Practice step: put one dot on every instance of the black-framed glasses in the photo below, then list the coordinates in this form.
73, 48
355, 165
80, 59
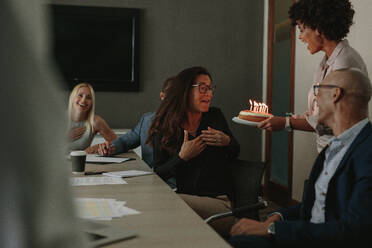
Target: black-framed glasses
203, 88
330, 86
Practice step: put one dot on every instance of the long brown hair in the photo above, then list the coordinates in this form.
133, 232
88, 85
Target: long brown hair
172, 110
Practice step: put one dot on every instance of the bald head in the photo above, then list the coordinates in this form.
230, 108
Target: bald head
356, 86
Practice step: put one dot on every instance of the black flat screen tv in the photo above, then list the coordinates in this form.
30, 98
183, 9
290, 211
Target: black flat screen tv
98, 45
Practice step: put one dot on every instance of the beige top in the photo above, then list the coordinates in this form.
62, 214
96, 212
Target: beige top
344, 56
85, 140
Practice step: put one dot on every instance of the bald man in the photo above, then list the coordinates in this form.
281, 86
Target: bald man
336, 209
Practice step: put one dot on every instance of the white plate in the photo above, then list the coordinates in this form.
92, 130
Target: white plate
244, 122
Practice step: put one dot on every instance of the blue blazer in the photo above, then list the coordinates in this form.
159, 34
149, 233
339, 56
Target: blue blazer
348, 204
137, 137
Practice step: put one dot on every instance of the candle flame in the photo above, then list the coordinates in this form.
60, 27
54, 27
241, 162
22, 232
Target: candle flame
259, 107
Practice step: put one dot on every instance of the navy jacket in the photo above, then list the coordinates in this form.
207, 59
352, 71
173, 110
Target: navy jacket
348, 206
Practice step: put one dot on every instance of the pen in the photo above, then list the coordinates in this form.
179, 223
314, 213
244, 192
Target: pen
89, 173
107, 149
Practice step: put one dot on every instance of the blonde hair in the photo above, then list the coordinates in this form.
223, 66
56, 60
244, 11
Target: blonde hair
90, 120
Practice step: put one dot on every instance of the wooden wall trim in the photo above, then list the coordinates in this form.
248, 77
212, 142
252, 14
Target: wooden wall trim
283, 191
270, 52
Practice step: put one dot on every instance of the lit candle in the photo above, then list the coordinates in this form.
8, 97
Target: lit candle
250, 105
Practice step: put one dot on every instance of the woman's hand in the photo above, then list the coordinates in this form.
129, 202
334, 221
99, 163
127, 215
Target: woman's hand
213, 137
76, 133
192, 148
274, 123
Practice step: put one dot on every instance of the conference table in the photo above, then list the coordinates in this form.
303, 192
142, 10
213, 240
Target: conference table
165, 220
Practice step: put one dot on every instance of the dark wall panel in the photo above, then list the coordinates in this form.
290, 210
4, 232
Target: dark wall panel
224, 36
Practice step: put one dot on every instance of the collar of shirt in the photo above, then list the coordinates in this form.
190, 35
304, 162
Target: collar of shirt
348, 136
326, 62
340, 144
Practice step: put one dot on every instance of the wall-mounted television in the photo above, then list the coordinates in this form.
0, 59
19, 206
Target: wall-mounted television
98, 45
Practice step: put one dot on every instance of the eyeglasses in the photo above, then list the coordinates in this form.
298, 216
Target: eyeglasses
203, 88
317, 86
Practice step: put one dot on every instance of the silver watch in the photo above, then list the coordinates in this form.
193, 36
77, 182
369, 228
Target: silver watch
287, 126
271, 229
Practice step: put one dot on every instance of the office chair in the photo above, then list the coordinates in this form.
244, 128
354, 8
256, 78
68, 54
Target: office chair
246, 178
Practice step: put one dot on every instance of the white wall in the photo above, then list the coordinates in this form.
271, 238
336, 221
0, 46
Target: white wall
304, 152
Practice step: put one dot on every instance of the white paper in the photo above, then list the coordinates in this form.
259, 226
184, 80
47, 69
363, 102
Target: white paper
86, 181
101, 209
127, 173
92, 158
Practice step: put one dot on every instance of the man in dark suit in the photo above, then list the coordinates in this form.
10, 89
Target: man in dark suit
336, 208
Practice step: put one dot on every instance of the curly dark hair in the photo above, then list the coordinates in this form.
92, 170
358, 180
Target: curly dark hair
332, 18
172, 110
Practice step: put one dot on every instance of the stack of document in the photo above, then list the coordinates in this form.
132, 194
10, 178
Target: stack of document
127, 173
101, 208
87, 181
92, 158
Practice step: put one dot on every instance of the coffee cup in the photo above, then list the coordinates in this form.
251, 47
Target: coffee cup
78, 161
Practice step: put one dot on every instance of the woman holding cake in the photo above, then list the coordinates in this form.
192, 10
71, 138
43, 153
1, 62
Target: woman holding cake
192, 142
323, 25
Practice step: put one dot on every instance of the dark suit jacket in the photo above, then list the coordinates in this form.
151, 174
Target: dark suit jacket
348, 211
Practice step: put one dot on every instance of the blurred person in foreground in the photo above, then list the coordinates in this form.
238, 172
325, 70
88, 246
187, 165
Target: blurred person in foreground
36, 205
335, 210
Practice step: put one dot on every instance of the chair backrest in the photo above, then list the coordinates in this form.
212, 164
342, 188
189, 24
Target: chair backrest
246, 184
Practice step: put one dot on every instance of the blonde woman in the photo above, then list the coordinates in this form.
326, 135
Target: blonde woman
83, 122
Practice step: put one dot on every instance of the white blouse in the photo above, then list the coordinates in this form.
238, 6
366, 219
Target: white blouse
343, 56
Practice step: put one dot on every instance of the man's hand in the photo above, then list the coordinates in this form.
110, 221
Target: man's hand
106, 149
250, 227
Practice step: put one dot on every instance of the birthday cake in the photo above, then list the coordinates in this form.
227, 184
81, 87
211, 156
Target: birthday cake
254, 116
257, 112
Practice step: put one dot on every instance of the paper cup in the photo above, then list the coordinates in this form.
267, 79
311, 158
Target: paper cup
78, 162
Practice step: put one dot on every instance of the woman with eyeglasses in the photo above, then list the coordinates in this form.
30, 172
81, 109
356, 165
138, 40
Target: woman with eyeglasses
323, 25
192, 142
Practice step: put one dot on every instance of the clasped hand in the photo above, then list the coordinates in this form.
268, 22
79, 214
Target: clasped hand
210, 137
76, 133
106, 149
